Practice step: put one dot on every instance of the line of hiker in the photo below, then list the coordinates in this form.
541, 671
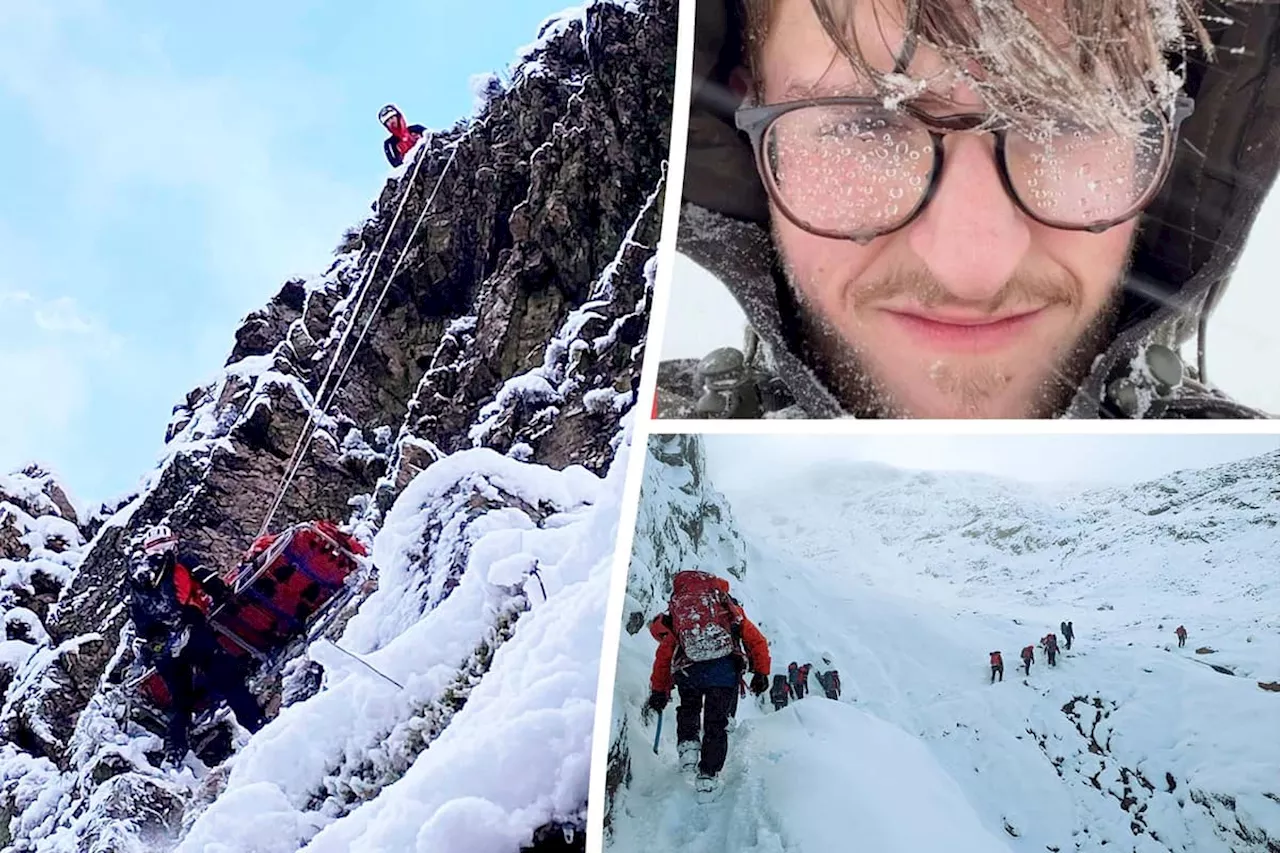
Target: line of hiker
795, 684
706, 645
1048, 644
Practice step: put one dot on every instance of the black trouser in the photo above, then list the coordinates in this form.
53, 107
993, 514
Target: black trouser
222, 677
997, 670
1182, 641
1053, 656
707, 709
1068, 641
1026, 663
779, 704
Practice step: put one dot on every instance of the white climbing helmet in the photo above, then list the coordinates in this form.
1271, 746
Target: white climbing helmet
159, 540
826, 658
387, 112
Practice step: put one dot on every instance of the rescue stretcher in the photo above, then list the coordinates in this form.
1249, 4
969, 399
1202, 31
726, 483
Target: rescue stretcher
286, 592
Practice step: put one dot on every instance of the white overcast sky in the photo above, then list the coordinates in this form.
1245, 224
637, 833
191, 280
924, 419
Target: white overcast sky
738, 461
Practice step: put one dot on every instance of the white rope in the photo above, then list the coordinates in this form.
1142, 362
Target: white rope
295, 458
394, 269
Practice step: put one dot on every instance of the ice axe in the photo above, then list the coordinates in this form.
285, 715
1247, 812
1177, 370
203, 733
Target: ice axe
657, 734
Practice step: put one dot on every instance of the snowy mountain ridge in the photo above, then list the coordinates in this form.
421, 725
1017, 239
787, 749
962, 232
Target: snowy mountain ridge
1225, 517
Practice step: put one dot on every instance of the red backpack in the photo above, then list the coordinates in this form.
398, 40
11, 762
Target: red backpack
703, 616
996, 660
1028, 653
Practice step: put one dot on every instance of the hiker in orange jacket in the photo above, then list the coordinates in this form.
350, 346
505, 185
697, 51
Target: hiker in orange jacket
705, 644
1182, 636
1028, 658
997, 666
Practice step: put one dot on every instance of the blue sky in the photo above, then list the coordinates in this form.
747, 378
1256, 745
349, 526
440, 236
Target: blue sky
165, 167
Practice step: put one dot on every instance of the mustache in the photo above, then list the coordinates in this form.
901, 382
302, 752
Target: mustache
921, 287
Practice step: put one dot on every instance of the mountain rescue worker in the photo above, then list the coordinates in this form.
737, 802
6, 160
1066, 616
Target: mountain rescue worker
1068, 633
780, 693
1051, 648
829, 680
705, 643
793, 678
997, 667
804, 679
1077, 171
1028, 658
1182, 636
169, 605
403, 137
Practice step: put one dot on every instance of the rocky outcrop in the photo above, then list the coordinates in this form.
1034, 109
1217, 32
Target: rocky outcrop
497, 297
683, 523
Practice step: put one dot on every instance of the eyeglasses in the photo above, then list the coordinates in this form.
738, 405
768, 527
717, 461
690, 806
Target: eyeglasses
850, 168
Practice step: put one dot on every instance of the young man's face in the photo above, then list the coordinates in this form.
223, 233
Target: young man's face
973, 309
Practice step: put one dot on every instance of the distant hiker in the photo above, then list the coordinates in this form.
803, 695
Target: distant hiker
1051, 648
829, 680
1068, 633
804, 679
830, 683
997, 667
705, 643
793, 678
780, 693
1028, 658
403, 137
169, 605
1182, 636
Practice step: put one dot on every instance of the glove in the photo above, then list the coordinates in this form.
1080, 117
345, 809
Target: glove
213, 585
180, 642
658, 700
759, 683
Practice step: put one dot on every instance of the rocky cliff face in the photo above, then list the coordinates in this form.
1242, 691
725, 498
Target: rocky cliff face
683, 523
499, 294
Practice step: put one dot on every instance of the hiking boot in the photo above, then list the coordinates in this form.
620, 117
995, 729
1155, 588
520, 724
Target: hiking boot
706, 783
690, 752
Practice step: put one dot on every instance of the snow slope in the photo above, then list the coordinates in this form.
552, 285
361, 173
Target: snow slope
1129, 744
533, 709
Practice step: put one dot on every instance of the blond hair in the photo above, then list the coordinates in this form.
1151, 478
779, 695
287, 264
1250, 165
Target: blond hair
1100, 61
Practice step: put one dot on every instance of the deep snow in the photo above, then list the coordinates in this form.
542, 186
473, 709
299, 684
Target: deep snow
908, 581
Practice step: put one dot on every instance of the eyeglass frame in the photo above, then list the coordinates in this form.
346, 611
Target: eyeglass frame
755, 121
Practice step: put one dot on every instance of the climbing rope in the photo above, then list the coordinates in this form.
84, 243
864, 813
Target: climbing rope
320, 401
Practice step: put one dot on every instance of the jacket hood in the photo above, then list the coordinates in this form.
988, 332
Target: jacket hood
1188, 242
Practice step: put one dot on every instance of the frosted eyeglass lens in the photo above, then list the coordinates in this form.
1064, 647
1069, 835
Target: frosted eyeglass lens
846, 170
1079, 177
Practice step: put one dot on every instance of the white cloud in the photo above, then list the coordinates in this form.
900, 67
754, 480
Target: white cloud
62, 315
